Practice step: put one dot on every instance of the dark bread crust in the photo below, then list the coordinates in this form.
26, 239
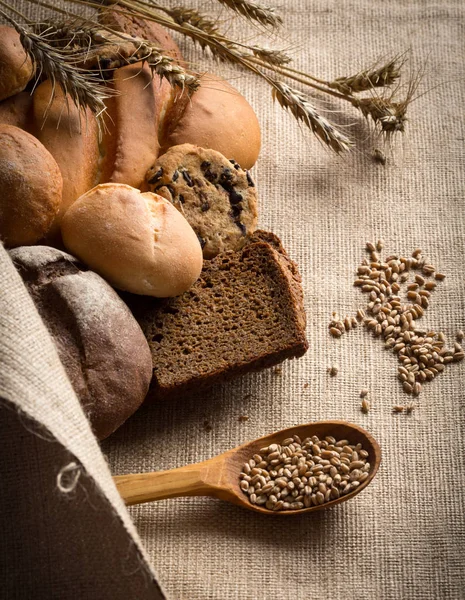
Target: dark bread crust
98, 341
244, 314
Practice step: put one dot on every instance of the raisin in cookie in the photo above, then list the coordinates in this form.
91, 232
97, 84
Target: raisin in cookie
216, 196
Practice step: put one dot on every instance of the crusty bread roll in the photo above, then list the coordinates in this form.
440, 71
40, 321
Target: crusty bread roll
218, 117
30, 188
16, 67
100, 344
71, 136
137, 241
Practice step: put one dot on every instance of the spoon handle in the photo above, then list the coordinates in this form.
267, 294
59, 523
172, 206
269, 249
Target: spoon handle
138, 488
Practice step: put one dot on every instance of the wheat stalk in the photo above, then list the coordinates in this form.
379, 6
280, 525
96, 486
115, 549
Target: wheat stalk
389, 115
275, 58
182, 15
94, 48
304, 111
368, 79
385, 111
254, 12
85, 89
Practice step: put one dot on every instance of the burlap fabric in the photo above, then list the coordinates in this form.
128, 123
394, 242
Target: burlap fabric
404, 536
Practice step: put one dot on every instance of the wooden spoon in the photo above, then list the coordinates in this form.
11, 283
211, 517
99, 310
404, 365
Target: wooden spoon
219, 476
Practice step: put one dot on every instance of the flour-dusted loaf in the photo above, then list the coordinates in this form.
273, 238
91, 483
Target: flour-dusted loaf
245, 313
30, 188
101, 346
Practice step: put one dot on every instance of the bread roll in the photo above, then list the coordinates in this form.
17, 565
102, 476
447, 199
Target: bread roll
71, 136
100, 344
30, 188
218, 117
138, 241
16, 67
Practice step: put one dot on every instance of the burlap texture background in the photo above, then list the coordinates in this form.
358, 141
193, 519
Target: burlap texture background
404, 536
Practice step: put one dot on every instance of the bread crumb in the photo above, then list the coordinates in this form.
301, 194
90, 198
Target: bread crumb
243, 418
207, 427
306, 385
277, 371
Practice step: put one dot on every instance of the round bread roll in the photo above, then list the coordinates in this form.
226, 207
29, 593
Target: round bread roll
16, 67
218, 117
30, 188
99, 342
137, 241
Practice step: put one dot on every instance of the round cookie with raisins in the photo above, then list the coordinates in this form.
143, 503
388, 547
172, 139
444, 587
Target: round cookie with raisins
217, 197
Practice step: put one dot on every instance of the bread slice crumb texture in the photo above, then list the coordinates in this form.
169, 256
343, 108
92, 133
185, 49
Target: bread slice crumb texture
245, 313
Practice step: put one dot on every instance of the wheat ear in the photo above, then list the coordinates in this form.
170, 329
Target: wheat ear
304, 111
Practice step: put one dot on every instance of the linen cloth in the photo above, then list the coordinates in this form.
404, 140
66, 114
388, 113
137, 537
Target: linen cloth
54, 482
404, 536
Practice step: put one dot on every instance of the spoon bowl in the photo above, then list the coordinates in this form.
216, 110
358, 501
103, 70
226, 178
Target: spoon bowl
220, 476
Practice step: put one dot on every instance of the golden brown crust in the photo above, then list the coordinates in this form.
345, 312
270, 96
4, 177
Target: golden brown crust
132, 139
147, 30
137, 241
132, 136
71, 136
217, 117
30, 188
15, 66
17, 111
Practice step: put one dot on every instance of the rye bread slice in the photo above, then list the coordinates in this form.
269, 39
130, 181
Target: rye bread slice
244, 314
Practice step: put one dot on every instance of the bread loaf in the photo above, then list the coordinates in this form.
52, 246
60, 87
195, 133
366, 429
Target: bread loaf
101, 346
244, 313
131, 138
138, 241
216, 117
17, 111
16, 67
30, 188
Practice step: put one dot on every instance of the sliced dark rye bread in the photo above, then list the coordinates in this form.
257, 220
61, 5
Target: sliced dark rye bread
245, 313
